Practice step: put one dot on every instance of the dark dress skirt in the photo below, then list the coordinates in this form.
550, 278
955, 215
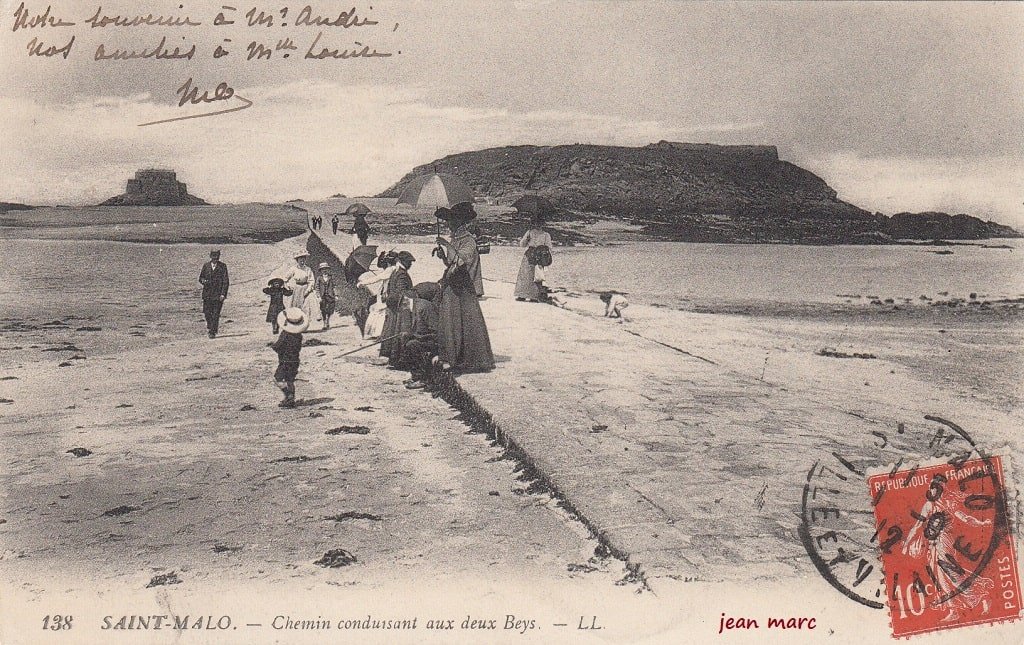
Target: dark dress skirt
463, 341
276, 307
403, 329
276, 302
398, 284
390, 329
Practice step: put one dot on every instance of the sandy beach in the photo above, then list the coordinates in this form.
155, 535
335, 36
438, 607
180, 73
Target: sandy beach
143, 459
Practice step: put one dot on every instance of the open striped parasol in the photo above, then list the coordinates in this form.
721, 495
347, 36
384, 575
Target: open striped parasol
436, 190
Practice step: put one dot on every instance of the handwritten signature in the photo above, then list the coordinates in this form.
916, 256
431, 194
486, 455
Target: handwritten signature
189, 95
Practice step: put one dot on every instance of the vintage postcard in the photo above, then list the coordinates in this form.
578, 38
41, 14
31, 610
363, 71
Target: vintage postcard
510, 322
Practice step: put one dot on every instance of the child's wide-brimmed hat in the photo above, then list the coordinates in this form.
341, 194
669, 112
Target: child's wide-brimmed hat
324, 265
301, 254
275, 282
293, 320
406, 256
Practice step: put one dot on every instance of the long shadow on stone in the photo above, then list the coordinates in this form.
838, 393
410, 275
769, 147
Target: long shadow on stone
304, 402
353, 515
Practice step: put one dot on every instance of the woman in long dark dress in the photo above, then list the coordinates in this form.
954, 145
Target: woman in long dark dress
463, 341
398, 284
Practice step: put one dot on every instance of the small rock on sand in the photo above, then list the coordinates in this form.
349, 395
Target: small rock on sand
6, 400
336, 558
164, 579
81, 452
124, 405
348, 430
89, 329
8, 378
223, 548
120, 510
247, 408
365, 408
65, 364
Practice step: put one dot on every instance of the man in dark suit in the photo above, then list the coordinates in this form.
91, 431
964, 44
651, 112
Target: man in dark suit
214, 278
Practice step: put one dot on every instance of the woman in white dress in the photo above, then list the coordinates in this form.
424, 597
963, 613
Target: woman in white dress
531, 276
302, 281
376, 282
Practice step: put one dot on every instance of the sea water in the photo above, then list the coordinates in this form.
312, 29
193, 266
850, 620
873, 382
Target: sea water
44, 276
675, 273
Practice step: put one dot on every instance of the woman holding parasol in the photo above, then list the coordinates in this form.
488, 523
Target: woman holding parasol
464, 343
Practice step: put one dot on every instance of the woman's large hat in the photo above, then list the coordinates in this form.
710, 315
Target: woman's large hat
301, 254
461, 212
293, 320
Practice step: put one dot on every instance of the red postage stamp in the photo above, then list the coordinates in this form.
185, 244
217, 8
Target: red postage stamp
946, 546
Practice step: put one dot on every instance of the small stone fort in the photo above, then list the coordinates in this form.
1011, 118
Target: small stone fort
155, 187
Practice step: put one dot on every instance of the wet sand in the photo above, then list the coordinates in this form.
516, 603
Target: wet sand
191, 480
135, 463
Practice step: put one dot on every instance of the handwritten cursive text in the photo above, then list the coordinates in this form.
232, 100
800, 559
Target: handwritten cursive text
100, 19
362, 51
22, 19
190, 94
160, 52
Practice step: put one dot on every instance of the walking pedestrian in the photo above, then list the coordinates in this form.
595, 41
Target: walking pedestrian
325, 290
277, 291
302, 281
293, 322
214, 278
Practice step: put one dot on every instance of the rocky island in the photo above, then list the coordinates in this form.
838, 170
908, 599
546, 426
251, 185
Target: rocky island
693, 192
155, 187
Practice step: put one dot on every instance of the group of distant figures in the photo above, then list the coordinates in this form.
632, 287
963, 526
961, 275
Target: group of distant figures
419, 327
316, 222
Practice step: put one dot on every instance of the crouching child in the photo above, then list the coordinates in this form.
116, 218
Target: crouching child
613, 305
419, 344
293, 322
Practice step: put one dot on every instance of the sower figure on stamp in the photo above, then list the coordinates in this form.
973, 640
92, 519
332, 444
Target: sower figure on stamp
939, 550
214, 278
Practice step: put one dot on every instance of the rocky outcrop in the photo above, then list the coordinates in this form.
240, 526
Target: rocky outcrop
943, 226
152, 187
14, 206
682, 191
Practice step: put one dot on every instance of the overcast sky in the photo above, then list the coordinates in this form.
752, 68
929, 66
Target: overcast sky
898, 107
